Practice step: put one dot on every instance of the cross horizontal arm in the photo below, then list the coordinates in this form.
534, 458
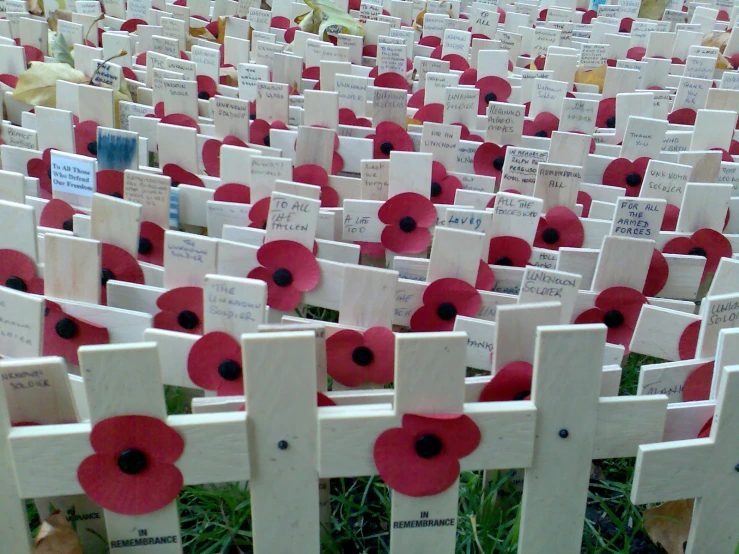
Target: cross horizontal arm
625, 422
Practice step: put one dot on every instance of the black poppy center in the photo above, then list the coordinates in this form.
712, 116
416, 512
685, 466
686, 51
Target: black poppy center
362, 356
145, 246
203, 95
66, 328
48, 173
68, 224
505, 260
491, 97
116, 195
541, 133
229, 370
266, 140
282, 277
252, 116
522, 395
428, 446
16, 283
613, 319
633, 179
435, 189
446, 311
92, 148
498, 163
611, 122
386, 148
187, 319
550, 236
175, 184
132, 461
105, 276
407, 224
697, 251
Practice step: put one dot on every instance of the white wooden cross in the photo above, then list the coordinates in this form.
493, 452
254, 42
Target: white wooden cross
704, 469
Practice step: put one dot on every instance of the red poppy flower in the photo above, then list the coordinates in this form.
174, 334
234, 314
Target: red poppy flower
585, 200
485, 279
509, 251
119, 265
312, 174
626, 174
212, 153
418, 98
725, 154
57, 214
456, 62
512, 382
430, 41
233, 192
636, 53
259, 131
421, 458
688, 343
541, 126
110, 182
131, 25
259, 213
407, 217
214, 363
33, 54
697, 386
132, 471
705, 431
559, 228
348, 117
40, 168
734, 60
618, 308
371, 249
708, 243
626, 24
289, 269
538, 63
290, 34
391, 80
606, 117
85, 138
180, 120
10, 80
207, 87
492, 89
64, 334
431, 113
354, 358
443, 300
443, 185
489, 159
669, 222
588, 16
17, 271
657, 274
151, 243
683, 116
182, 310
390, 136
181, 177
280, 22
466, 134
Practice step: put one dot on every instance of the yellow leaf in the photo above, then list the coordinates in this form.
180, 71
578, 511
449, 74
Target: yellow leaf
222, 29
669, 524
723, 63
717, 39
56, 536
596, 76
37, 85
202, 32
652, 9
36, 7
327, 18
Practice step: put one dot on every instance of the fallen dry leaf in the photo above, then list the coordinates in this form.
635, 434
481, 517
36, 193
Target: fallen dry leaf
669, 524
716, 39
652, 9
595, 76
37, 85
56, 536
202, 32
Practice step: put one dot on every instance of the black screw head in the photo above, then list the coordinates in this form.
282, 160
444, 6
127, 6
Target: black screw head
66, 328
564, 433
386, 148
105, 276
16, 283
498, 163
428, 446
266, 140
282, 445
736, 468
132, 461
407, 224
550, 236
633, 179
490, 97
540, 133
68, 224
504, 261
229, 370
613, 319
282, 277
446, 311
435, 189
187, 319
203, 95
92, 148
362, 356
697, 251
611, 122
145, 246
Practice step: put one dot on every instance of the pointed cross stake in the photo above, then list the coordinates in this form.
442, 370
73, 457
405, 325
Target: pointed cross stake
704, 469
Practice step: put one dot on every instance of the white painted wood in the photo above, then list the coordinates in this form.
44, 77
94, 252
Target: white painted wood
515, 331
72, 268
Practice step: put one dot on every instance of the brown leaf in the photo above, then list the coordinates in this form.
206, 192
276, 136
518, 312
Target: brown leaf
669, 524
716, 39
36, 7
56, 536
231, 75
595, 76
202, 32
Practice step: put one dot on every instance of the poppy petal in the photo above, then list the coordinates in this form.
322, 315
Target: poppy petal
657, 275
205, 356
151, 243
698, 384
339, 363
688, 343
233, 192
296, 258
512, 382
400, 242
